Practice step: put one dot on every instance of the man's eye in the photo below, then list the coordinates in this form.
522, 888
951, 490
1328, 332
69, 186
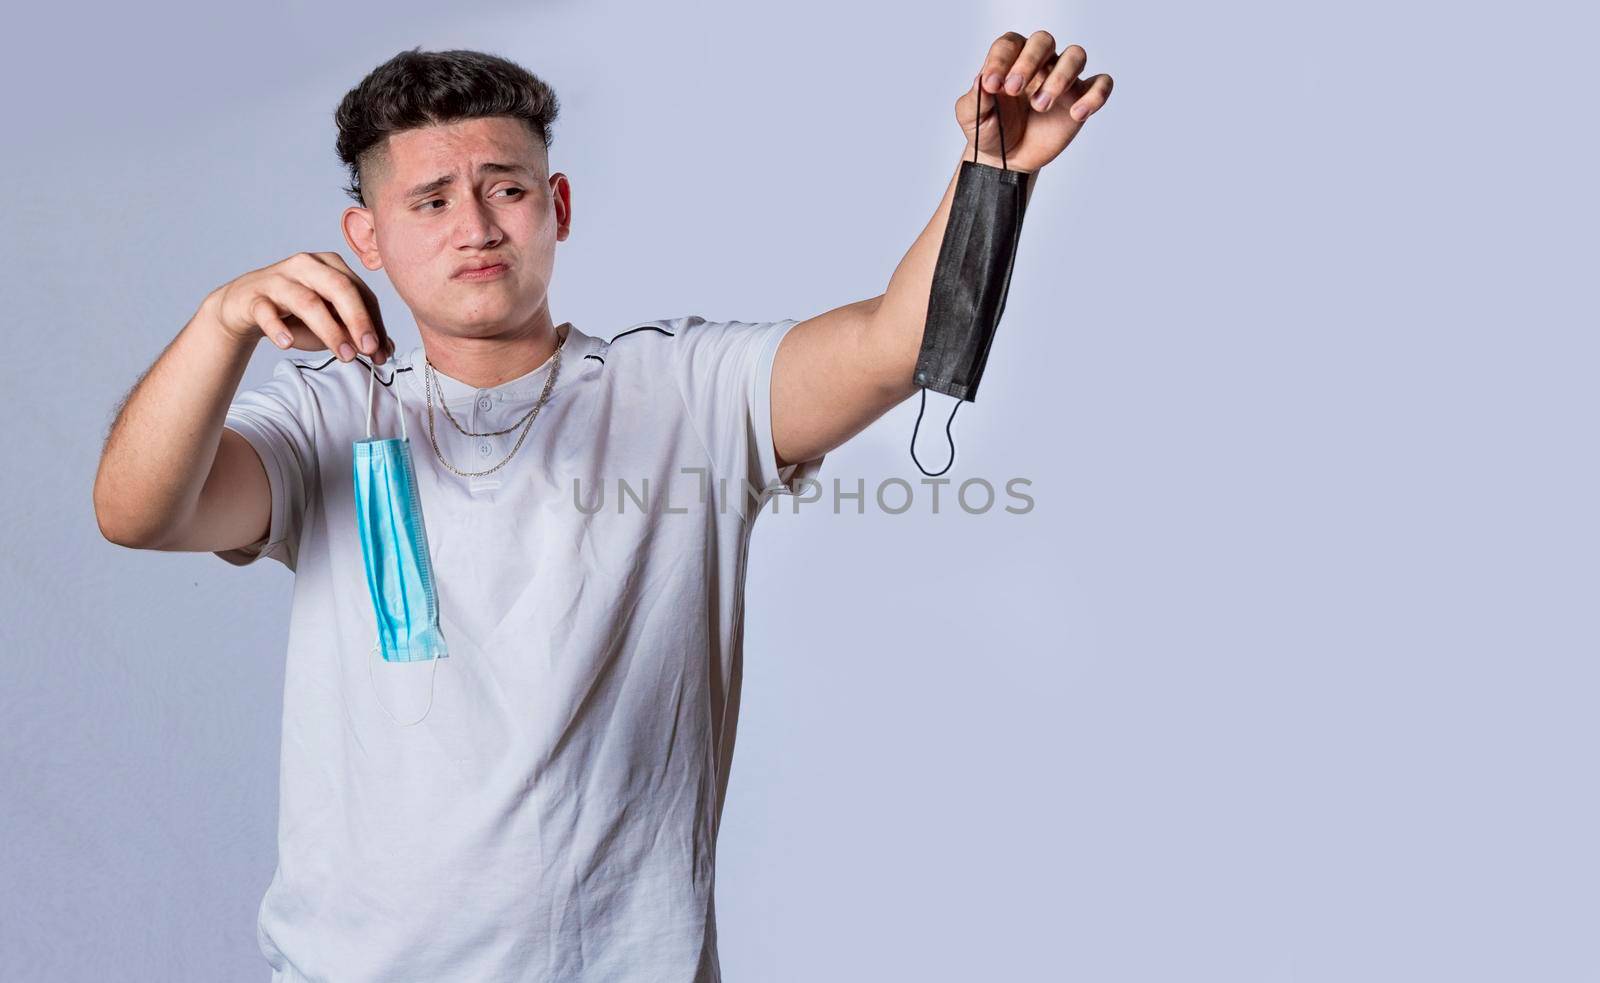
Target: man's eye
439, 201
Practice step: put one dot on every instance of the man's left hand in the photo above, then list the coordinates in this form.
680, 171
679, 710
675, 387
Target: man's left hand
1041, 100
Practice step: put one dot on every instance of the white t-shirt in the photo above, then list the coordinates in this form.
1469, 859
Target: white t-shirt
554, 815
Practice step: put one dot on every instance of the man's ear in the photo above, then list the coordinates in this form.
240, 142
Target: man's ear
561, 191
362, 235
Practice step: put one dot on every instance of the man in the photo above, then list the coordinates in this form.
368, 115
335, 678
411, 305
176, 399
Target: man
556, 817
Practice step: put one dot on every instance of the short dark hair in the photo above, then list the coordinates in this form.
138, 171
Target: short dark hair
419, 88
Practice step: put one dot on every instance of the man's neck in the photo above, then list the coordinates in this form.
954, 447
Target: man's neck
484, 363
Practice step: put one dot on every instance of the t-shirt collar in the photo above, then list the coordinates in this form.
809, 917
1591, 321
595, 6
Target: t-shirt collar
529, 384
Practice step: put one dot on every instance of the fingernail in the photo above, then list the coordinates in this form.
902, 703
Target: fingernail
992, 80
1014, 84
1041, 101
1079, 112
345, 351
369, 343
284, 341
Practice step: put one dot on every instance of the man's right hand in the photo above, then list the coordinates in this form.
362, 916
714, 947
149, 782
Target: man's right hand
310, 301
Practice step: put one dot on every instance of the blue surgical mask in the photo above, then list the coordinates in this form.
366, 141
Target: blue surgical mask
394, 547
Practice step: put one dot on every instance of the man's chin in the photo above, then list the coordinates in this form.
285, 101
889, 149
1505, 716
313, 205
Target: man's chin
484, 319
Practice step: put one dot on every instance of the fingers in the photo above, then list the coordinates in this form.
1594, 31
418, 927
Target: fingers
289, 302
294, 296
1098, 90
1014, 59
337, 286
265, 316
1039, 52
972, 108
1017, 64
1061, 77
358, 302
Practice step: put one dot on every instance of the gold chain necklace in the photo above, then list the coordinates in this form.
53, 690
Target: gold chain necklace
555, 367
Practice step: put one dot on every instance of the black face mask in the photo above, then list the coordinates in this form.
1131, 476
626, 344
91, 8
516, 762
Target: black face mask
970, 282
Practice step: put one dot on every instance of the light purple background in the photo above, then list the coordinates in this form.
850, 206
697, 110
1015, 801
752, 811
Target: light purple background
1288, 676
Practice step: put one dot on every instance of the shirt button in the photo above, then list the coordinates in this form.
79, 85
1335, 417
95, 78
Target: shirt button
484, 450
484, 402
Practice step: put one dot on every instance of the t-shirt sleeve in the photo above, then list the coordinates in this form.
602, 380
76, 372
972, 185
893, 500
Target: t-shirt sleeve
724, 369
275, 418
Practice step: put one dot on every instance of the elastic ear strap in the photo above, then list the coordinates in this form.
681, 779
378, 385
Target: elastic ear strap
394, 379
978, 125
1001, 123
432, 675
394, 387
952, 440
372, 379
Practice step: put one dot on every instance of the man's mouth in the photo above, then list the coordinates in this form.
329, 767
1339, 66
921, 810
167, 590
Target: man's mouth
489, 272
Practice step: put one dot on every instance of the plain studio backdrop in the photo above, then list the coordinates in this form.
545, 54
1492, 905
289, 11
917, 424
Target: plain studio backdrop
1288, 673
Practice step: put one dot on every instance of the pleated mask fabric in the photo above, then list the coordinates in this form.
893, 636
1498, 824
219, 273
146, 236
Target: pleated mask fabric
394, 547
970, 282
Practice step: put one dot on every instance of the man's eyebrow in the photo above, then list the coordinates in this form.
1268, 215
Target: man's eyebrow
486, 168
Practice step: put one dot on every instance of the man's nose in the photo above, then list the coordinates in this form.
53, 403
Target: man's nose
478, 227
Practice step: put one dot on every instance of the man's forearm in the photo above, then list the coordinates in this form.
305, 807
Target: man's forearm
902, 312
164, 440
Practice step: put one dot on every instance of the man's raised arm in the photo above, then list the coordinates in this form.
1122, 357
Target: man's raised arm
835, 373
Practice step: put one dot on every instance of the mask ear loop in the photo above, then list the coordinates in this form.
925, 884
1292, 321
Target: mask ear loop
433, 674
952, 419
952, 441
394, 377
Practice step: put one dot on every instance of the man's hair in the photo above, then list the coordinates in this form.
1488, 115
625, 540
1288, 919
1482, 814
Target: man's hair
423, 88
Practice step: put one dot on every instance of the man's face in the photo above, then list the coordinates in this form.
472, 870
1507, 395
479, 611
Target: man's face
422, 230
